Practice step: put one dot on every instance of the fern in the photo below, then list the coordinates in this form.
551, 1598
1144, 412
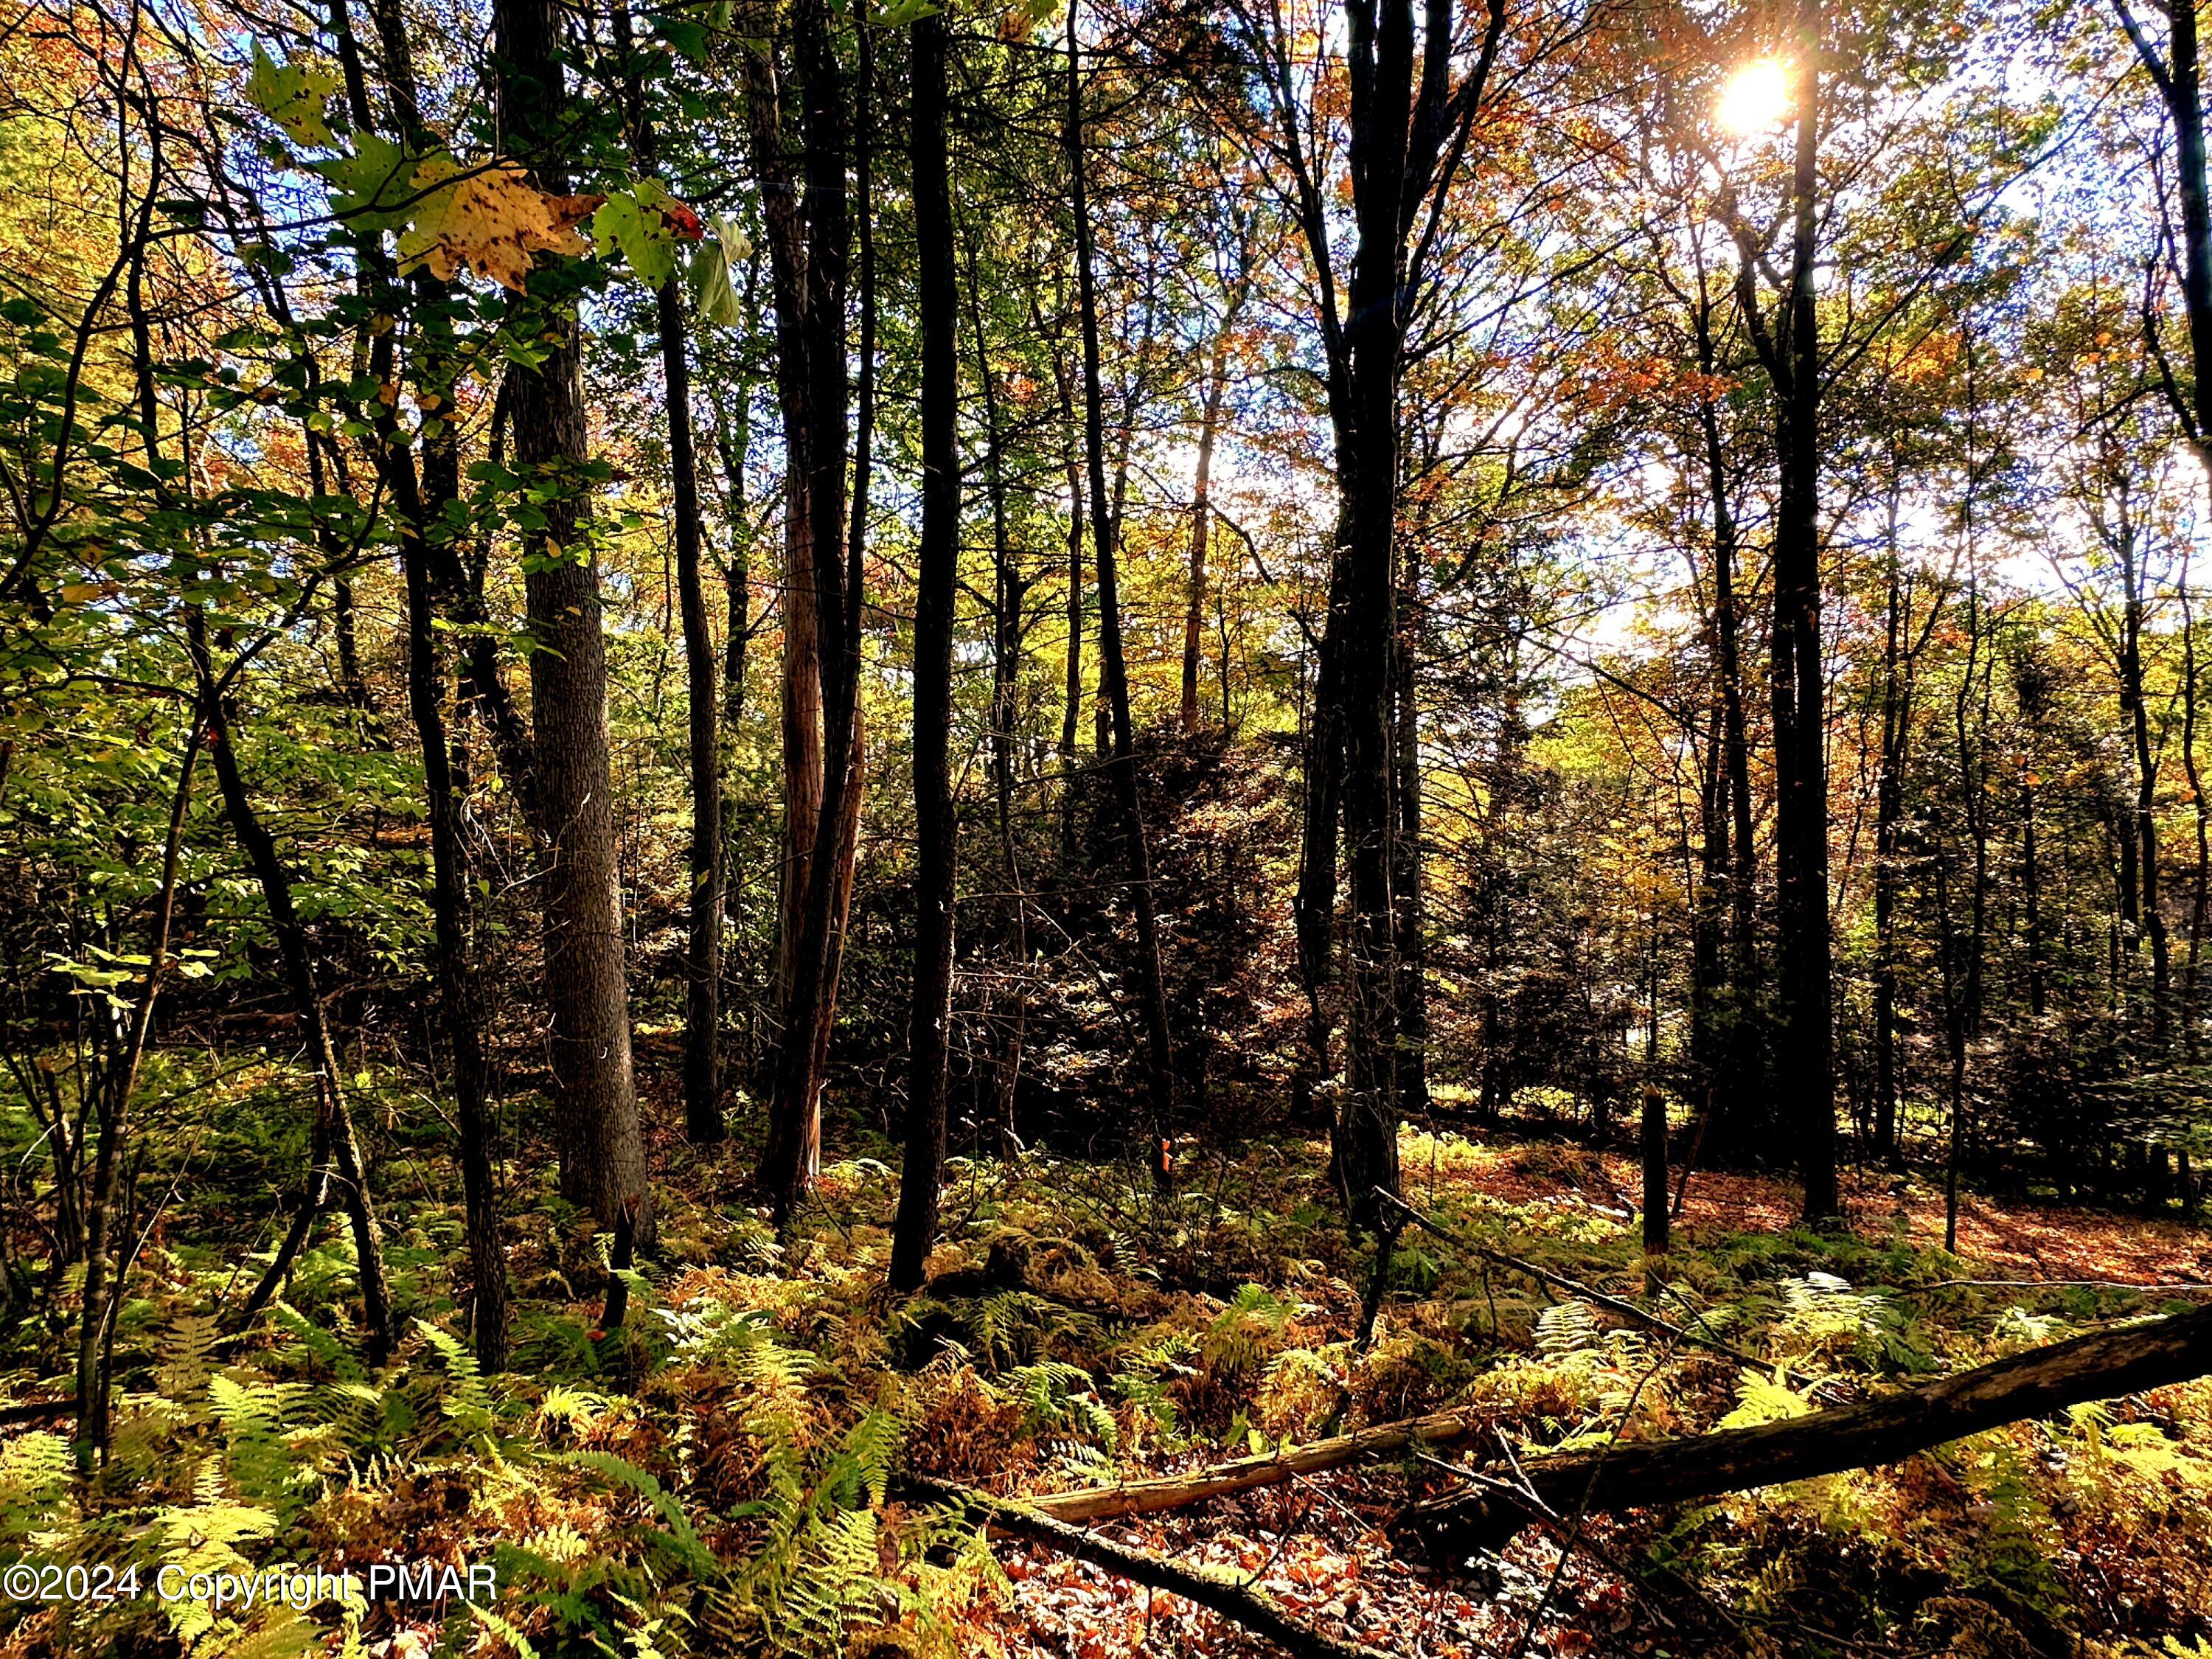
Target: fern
1569, 1327
465, 1400
1059, 1398
681, 1539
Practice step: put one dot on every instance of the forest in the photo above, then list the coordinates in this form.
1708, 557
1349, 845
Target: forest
1095, 828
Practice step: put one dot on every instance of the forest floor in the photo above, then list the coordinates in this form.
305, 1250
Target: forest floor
731, 1472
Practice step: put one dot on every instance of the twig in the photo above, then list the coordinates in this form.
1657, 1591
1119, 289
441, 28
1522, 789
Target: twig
1614, 1304
1254, 1612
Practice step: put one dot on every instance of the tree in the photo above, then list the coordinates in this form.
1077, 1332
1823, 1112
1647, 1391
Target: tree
586, 979
936, 575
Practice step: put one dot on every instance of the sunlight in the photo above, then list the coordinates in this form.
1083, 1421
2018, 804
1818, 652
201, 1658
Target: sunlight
1756, 97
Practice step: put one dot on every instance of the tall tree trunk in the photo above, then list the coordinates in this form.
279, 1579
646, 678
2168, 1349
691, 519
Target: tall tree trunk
937, 572
1734, 1127
801, 670
2201, 889
792, 1157
455, 967
1009, 588
1201, 519
1071, 707
1888, 852
1112, 669
334, 1119
1366, 1143
586, 979
1805, 1057
703, 955
2135, 707
1407, 893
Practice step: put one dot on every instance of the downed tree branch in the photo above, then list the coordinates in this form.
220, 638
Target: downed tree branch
1173, 1492
1232, 1602
2101, 1365
35, 1410
1574, 1287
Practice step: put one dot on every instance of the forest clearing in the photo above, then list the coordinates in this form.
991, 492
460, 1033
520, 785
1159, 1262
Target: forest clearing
1014, 827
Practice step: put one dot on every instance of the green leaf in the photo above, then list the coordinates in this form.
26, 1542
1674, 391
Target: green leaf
292, 96
629, 221
375, 185
713, 297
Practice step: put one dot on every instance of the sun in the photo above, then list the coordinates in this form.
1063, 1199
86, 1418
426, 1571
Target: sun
1757, 96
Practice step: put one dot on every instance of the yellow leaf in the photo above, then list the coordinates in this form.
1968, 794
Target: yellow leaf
492, 220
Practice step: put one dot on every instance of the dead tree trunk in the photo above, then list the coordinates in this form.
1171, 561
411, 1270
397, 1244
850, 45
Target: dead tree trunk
2101, 1365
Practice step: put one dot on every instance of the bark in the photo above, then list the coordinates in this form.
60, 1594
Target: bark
586, 977
2135, 708
703, 955
1805, 1053
2101, 1365
455, 970
1009, 588
333, 1118
1201, 513
1806, 1058
937, 562
1733, 1107
1365, 1139
1654, 1138
2200, 887
1113, 668
800, 675
1888, 849
792, 1157
1072, 708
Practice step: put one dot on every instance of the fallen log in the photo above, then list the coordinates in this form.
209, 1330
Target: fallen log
2101, 1365
1232, 1602
1173, 1492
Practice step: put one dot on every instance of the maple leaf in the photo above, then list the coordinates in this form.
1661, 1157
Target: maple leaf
492, 220
293, 95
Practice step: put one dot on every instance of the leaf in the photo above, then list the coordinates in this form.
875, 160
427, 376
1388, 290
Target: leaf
715, 300
626, 224
375, 184
292, 96
492, 220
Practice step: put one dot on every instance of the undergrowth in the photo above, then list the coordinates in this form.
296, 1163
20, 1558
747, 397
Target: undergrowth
727, 1475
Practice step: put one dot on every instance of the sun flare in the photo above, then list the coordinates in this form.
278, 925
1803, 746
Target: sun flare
1756, 97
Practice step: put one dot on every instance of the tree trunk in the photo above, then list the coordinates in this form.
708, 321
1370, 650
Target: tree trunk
1113, 670
1806, 1060
455, 970
1365, 1138
1888, 853
586, 977
937, 562
1010, 1008
1201, 517
334, 1119
703, 955
1735, 1106
800, 676
809, 244
2101, 1365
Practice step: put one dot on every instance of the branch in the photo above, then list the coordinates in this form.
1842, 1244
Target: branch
2101, 1365
1232, 1602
